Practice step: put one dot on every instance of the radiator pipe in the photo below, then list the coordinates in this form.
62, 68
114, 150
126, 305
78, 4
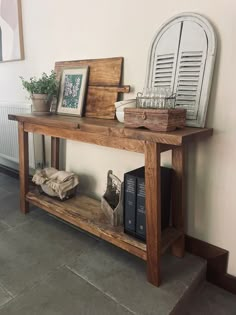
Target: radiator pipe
44, 151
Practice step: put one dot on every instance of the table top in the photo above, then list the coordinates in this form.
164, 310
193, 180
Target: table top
113, 128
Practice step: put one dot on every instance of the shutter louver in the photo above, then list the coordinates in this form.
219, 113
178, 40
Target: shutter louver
189, 80
163, 75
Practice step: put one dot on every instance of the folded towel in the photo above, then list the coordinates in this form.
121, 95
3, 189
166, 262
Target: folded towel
62, 176
41, 176
54, 182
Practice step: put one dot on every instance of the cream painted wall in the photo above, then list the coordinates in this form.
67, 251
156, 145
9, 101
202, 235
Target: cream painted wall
76, 29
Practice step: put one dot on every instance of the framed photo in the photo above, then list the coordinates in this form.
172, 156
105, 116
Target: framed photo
11, 35
72, 91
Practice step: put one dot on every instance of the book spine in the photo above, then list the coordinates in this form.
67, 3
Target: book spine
141, 211
130, 202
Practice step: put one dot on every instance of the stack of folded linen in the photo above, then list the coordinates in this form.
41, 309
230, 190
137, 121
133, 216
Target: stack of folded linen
56, 183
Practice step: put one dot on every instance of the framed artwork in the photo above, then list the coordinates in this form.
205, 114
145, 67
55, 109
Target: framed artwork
72, 91
11, 36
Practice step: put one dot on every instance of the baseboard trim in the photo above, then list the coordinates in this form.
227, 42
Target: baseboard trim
217, 262
9, 171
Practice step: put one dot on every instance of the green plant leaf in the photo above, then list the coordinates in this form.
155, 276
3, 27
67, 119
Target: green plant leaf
46, 84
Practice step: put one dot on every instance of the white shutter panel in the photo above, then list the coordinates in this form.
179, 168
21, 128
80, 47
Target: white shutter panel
182, 57
190, 68
164, 55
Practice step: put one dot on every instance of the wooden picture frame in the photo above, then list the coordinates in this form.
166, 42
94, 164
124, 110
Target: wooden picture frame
72, 92
11, 33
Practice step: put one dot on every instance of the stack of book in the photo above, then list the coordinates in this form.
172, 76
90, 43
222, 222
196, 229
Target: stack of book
134, 201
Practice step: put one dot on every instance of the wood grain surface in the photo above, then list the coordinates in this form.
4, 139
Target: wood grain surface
88, 137
55, 149
23, 166
155, 119
86, 213
178, 198
104, 71
153, 210
112, 128
103, 84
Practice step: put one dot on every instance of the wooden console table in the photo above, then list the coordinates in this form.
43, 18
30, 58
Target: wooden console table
85, 212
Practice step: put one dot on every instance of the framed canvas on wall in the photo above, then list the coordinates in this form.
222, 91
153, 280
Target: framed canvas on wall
11, 35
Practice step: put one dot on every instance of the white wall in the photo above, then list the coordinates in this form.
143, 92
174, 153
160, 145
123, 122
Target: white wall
75, 29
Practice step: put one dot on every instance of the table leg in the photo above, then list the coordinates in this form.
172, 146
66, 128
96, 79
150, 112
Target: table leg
55, 146
153, 211
23, 166
178, 198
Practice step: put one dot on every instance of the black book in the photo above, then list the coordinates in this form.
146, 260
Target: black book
140, 208
134, 201
165, 202
130, 200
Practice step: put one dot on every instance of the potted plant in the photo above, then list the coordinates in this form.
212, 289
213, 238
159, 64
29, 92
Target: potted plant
42, 90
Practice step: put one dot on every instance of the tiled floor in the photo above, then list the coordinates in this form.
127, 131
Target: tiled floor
211, 300
47, 267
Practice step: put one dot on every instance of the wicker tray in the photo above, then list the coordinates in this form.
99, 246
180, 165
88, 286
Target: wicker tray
69, 194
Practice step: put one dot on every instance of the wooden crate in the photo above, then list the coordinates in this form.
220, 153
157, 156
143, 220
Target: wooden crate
155, 119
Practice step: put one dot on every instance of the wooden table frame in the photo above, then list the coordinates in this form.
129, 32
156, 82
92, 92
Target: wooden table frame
113, 134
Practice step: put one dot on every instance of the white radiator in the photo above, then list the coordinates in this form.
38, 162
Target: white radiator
9, 133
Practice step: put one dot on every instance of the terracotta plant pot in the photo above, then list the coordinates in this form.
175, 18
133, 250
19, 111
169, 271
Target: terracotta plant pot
41, 104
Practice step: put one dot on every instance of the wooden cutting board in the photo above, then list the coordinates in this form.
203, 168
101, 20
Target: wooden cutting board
103, 84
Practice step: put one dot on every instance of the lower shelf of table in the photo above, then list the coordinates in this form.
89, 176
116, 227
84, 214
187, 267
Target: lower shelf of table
85, 213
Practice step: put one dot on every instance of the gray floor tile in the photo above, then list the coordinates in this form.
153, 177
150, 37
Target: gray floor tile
9, 184
211, 300
4, 296
4, 177
3, 192
61, 294
123, 276
3, 226
48, 229
10, 210
32, 250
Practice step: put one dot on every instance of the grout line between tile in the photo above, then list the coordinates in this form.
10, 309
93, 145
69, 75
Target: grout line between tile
11, 228
6, 224
11, 296
99, 289
7, 291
